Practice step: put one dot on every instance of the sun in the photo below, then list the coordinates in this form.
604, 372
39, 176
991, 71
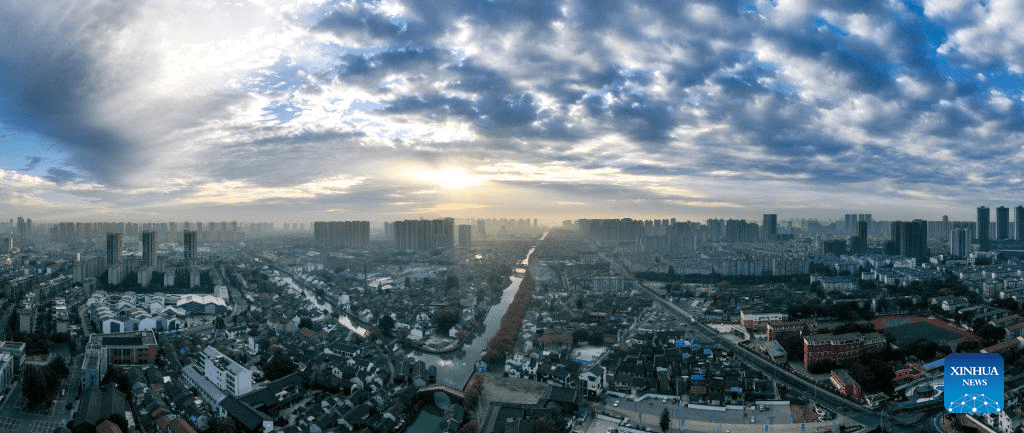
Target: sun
451, 178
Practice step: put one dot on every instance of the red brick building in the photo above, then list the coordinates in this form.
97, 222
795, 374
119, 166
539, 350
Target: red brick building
845, 385
797, 327
828, 347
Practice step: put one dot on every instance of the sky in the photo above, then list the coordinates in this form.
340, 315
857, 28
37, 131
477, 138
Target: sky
384, 110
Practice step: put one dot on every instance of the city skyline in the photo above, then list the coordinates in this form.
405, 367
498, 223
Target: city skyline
385, 111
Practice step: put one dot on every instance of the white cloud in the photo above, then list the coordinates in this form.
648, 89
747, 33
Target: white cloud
241, 103
241, 191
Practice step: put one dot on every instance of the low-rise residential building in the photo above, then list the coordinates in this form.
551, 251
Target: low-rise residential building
834, 284
759, 321
594, 379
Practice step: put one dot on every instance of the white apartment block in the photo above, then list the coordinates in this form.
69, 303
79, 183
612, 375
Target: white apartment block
233, 378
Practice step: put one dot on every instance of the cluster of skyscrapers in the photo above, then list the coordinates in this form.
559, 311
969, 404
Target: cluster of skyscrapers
408, 235
424, 235
117, 268
1002, 226
342, 234
667, 235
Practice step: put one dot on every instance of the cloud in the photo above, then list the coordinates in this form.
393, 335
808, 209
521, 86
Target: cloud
681, 106
238, 191
33, 161
60, 175
449, 207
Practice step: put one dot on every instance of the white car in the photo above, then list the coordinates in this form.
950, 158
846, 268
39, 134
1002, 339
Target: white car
615, 403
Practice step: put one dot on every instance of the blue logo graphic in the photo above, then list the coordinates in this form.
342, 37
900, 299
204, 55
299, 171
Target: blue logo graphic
973, 383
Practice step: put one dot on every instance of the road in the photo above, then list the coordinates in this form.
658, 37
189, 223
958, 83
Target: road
852, 410
859, 413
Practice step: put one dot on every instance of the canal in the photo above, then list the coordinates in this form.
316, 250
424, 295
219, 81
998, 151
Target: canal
454, 368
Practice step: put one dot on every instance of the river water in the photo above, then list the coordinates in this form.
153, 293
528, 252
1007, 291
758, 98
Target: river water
454, 369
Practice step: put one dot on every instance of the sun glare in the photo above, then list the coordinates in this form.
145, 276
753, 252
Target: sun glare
451, 178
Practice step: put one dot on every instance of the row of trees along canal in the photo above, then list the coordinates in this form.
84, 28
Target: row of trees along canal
503, 341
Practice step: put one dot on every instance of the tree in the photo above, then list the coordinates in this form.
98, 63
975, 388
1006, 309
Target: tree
34, 386
923, 349
473, 390
386, 324
446, 318
663, 422
794, 346
221, 425
452, 282
990, 334
56, 370
279, 366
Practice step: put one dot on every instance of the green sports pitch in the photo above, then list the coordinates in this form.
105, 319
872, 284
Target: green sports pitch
911, 332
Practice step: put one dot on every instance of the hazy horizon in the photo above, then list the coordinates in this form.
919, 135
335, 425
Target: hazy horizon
387, 110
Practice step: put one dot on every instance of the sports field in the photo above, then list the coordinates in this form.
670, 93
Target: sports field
909, 329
